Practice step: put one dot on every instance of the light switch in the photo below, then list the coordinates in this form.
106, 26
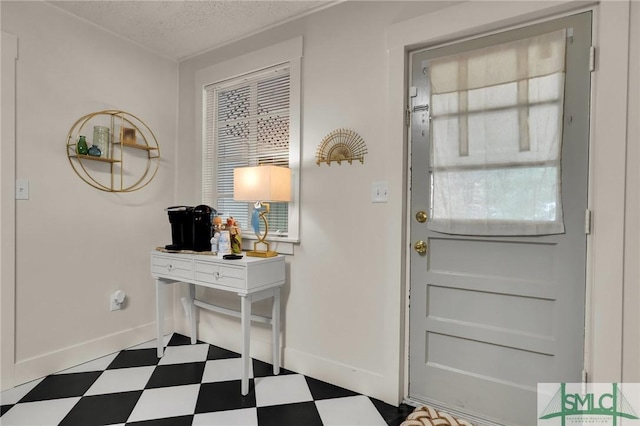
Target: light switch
22, 189
379, 192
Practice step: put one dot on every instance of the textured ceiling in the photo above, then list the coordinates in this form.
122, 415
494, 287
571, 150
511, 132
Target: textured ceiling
179, 29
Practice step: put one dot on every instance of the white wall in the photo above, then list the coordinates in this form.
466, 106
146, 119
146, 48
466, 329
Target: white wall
76, 245
343, 306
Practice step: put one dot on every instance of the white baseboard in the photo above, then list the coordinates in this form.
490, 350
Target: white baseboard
362, 381
52, 362
227, 335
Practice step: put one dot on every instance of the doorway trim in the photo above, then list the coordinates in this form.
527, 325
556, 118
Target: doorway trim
605, 244
8, 208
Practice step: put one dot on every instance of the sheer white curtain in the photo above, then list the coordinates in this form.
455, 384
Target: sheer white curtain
496, 138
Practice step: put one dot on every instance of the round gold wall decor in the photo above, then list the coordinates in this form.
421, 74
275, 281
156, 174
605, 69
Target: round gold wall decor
341, 145
127, 162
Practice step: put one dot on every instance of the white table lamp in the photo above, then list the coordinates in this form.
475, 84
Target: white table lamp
262, 184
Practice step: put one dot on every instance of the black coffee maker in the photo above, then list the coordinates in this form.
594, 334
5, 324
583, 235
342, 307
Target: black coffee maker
191, 227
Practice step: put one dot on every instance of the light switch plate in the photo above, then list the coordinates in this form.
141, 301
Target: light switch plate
379, 192
22, 189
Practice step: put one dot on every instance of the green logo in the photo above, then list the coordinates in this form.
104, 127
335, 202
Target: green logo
598, 403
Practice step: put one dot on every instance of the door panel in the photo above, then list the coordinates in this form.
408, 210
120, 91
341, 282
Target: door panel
490, 317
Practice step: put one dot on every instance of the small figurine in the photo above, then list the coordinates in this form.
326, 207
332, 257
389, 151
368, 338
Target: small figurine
217, 222
235, 235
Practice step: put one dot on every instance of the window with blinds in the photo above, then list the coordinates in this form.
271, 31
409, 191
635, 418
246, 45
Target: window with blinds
246, 124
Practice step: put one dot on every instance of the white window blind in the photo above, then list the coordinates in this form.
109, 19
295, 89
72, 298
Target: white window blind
496, 138
247, 123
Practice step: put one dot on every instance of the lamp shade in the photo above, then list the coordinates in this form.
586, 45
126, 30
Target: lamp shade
262, 183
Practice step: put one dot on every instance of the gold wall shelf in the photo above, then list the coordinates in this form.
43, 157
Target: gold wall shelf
119, 168
92, 158
341, 145
138, 146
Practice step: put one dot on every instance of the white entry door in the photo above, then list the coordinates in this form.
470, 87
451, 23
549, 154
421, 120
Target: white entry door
497, 295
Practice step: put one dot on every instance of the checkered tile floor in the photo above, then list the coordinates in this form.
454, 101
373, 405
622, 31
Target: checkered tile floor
190, 385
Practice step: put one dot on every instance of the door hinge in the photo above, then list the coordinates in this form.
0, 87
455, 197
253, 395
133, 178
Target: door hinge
587, 221
407, 116
592, 58
584, 376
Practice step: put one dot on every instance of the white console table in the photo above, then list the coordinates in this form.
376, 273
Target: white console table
251, 278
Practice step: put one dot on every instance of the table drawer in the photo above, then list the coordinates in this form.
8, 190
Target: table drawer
172, 267
226, 275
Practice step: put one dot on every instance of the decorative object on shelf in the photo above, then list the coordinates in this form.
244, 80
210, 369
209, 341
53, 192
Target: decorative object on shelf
94, 151
235, 235
259, 184
129, 153
224, 243
232, 227
102, 139
81, 146
341, 145
128, 136
214, 242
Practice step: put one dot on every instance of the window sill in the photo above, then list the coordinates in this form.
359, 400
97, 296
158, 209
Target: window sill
281, 245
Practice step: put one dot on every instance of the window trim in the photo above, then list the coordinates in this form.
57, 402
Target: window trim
290, 52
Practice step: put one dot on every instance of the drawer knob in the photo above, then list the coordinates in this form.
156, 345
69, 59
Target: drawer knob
169, 268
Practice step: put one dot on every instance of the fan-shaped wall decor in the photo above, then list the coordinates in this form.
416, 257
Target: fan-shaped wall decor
341, 145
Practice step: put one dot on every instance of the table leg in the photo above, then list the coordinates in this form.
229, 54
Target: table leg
192, 313
245, 307
160, 316
275, 330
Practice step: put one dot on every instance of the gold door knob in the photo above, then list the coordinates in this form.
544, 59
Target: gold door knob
420, 247
421, 216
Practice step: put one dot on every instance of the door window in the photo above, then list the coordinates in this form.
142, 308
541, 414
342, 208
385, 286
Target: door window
496, 132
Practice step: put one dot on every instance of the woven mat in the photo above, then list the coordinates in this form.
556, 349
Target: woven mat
427, 416
164, 250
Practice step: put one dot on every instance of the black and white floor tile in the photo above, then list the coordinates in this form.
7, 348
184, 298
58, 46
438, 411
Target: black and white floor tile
190, 385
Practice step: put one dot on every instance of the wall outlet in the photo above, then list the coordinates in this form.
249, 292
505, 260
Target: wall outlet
114, 306
117, 300
379, 192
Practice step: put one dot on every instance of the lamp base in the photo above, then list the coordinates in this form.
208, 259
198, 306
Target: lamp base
260, 253
262, 243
